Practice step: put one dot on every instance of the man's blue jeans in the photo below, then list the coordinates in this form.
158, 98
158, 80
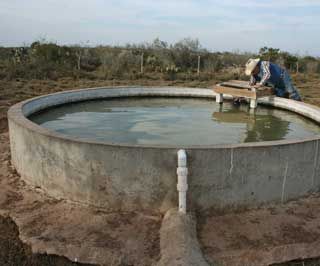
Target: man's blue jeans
286, 86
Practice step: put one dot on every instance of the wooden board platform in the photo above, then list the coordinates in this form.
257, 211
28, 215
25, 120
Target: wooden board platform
239, 88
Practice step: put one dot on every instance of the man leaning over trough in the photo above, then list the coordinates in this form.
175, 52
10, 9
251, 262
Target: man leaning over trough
265, 73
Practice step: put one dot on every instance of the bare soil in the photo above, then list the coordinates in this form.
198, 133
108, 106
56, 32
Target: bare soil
274, 233
14, 252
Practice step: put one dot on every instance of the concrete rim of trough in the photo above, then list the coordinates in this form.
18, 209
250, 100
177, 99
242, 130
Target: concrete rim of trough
17, 114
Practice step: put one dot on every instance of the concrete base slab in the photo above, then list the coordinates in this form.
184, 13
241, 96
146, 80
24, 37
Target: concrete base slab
272, 234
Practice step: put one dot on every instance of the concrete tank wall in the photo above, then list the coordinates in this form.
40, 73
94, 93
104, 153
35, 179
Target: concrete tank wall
126, 177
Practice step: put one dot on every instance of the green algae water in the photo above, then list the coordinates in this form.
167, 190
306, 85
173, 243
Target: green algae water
173, 121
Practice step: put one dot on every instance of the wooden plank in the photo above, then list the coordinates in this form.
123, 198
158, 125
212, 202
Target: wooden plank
241, 84
237, 81
241, 88
235, 92
236, 84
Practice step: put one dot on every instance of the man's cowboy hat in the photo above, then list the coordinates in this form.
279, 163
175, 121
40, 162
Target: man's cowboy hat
250, 65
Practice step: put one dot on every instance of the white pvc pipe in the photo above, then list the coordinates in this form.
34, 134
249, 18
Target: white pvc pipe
182, 186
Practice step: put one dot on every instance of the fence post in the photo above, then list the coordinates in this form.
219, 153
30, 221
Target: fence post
141, 68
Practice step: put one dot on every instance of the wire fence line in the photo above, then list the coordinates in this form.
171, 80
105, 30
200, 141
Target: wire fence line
186, 58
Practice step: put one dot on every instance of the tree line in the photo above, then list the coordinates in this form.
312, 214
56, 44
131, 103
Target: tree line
185, 59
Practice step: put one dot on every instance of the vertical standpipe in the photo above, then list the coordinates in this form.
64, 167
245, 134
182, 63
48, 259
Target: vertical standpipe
182, 186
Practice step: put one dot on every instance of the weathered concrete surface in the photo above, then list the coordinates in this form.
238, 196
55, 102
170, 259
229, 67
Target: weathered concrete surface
126, 177
264, 236
178, 241
251, 175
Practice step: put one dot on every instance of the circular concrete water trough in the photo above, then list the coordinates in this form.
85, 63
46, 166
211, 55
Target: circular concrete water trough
134, 177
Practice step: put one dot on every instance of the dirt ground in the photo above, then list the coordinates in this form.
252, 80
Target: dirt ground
262, 236
14, 252
125, 238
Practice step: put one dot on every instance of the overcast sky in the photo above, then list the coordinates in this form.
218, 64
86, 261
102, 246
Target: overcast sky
220, 25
